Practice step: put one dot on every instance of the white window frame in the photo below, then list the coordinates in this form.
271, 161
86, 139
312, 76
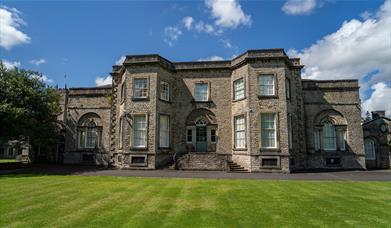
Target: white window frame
242, 144
135, 90
267, 129
196, 93
144, 145
164, 93
236, 89
264, 91
164, 133
372, 154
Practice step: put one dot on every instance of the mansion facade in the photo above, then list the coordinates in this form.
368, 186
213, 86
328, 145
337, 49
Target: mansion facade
252, 113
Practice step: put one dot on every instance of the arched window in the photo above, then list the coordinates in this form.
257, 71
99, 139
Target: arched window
89, 131
329, 138
201, 122
370, 153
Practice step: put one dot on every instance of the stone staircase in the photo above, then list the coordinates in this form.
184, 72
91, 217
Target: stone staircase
235, 168
201, 161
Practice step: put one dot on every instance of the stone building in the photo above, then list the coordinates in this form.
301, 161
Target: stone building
252, 113
377, 141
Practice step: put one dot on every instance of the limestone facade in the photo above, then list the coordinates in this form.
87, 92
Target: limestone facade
254, 110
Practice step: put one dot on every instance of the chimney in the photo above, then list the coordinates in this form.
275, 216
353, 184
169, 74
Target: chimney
378, 114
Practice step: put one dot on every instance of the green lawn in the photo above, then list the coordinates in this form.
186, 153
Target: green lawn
75, 201
7, 160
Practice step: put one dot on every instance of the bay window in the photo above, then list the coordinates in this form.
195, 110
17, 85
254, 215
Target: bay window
239, 89
240, 132
266, 85
268, 130
164, 131
140, 88
139, 131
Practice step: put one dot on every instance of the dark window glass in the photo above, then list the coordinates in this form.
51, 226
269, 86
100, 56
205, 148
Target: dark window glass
269, 162
138, 160
213, 135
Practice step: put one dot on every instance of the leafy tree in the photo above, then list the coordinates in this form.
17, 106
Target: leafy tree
28, 107
367, 117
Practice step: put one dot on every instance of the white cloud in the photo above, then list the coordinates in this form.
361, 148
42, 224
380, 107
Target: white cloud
171, 34
212, 58
205, 27
299, 7
188, 22
37, 62
226, 43
120, 60
10, 65
42, 78
228, 13
356, 49
379, 100
101, 81
10, 22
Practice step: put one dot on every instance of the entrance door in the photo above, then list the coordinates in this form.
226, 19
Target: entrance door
201, 140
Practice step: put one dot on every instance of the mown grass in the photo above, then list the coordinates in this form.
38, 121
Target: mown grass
7, 160
76, 201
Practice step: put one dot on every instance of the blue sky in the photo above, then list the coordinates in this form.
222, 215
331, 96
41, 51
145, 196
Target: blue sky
335, 39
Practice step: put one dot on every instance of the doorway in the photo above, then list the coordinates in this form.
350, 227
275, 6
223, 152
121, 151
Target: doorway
201, 139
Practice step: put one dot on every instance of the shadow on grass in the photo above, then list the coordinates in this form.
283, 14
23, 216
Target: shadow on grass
34, 170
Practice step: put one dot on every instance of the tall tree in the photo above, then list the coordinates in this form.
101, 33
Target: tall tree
28, 107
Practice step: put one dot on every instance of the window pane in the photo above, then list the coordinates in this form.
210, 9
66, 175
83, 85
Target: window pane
91, 137
317, 139
268, 130
240, 133
189, 135
213, 135
329, 139
165, 91
370, 153
239, 89
139, 128
201, 92
266, 85
288, 88
164, 131
140, 87
341, 139
81, 139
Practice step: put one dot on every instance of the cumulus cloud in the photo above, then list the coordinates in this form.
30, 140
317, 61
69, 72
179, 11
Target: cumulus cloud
356, 50
379, 100
37, 62
42, 78
9, 65
10, 23
120, 60
101, 81
188, 22
299, 7
227, 13
171, 34
212, 58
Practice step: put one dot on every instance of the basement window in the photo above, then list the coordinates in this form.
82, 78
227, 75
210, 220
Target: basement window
269, 162
138, 160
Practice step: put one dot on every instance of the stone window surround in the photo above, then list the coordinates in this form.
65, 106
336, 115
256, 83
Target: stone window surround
278, 166
269, 149
98, 132
123, 91
288, 88
234, 132
138, 164
275, 96
169, 130
209, 91
134, 98
146, 135
233, 89
160, 90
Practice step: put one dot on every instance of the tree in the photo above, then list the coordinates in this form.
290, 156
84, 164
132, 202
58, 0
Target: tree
28, 107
